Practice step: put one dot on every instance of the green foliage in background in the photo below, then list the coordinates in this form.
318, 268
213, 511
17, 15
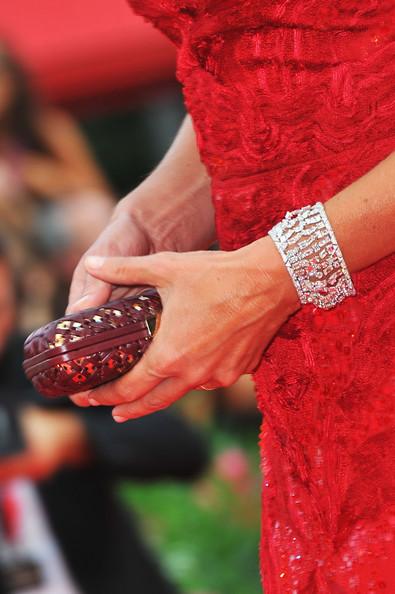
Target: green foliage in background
206, 535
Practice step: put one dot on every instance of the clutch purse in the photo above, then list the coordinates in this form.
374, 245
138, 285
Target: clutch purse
86, 349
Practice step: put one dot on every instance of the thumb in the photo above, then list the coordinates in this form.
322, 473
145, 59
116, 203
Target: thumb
93, 294
86, 291
144, 270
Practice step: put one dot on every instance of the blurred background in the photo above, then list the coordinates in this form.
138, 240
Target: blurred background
168, 504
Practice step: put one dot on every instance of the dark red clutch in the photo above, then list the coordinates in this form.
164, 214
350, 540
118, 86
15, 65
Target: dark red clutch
89, 348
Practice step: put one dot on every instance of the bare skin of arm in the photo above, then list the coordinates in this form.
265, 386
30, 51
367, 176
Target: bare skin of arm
170, 211
231, 303
174, 202
70, 168
363, 216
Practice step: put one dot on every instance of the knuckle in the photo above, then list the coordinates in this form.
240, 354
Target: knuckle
226, 377
161, 260
80, 400
164, 364
176, 362
122, 270
154, 403
192, 377
164, 261
158, 368
122, 392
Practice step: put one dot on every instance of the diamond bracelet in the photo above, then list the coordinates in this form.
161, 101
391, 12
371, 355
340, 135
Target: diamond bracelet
308, 246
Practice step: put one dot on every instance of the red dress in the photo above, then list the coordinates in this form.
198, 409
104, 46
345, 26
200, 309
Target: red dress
292, 100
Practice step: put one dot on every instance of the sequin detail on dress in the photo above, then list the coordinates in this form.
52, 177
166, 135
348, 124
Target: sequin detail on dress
292, 101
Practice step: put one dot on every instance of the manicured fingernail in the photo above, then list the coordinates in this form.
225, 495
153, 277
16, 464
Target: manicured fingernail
119, 419
93, 402
94, 261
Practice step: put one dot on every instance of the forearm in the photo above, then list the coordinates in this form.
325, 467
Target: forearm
362, 216
174, 202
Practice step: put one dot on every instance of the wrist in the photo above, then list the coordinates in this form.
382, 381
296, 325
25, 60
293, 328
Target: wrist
172, 218
266, 260
308, 246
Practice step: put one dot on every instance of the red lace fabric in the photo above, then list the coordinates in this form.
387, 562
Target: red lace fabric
293, 100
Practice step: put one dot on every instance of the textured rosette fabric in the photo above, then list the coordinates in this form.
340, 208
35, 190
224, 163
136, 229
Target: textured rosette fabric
292, 101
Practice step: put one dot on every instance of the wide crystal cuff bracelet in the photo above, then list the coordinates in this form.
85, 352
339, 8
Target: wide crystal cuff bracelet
308, 246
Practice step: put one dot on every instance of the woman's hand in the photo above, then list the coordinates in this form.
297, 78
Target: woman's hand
122, 237
170, 210
220, 311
